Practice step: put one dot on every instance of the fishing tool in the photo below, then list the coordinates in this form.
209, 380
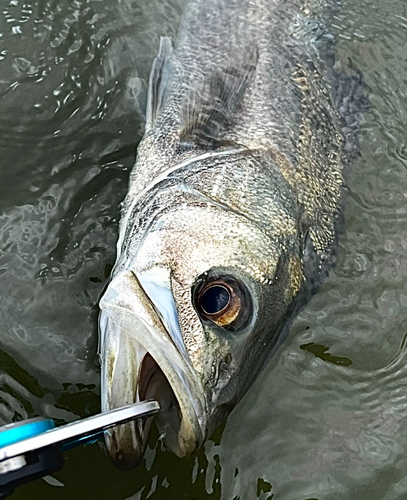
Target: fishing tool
35, 447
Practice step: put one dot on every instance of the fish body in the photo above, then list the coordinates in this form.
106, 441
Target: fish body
231, 214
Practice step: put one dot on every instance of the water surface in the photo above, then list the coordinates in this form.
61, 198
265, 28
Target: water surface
327, 419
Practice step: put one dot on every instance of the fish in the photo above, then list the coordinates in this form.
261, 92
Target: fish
232, 214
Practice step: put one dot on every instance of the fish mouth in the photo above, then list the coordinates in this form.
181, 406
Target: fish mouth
142, 360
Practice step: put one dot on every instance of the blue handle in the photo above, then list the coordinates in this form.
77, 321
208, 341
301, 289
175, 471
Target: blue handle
13, 433
34, 448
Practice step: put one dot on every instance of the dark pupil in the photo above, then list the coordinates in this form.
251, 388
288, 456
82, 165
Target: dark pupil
214, 299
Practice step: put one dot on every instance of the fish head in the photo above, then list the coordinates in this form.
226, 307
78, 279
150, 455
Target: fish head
188, 319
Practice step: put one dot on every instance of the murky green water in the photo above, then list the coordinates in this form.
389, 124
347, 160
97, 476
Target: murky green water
328, 417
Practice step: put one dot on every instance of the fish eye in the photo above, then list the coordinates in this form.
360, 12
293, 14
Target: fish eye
214, 299
224, 302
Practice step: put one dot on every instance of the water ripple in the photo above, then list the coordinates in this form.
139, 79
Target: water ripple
72, 84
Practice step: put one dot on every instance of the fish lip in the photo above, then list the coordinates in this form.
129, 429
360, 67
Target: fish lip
130, 322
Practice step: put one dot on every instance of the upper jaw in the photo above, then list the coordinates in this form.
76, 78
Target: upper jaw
141, 358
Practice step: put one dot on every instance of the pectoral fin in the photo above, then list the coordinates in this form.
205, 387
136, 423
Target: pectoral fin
207, 107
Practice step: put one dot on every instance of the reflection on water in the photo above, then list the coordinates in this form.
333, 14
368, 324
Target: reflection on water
327, 418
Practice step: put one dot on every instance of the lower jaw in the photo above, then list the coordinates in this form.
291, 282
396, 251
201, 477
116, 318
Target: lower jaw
126, 443
139, 363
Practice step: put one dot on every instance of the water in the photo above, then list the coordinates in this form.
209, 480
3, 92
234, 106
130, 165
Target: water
327, 418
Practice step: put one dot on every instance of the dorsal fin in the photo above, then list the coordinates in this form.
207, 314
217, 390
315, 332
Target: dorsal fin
207, 108
158, 82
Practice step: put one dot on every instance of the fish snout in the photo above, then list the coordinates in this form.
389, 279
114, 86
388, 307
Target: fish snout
142, 360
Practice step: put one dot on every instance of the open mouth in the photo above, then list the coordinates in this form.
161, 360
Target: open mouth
141, 361
153, 384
